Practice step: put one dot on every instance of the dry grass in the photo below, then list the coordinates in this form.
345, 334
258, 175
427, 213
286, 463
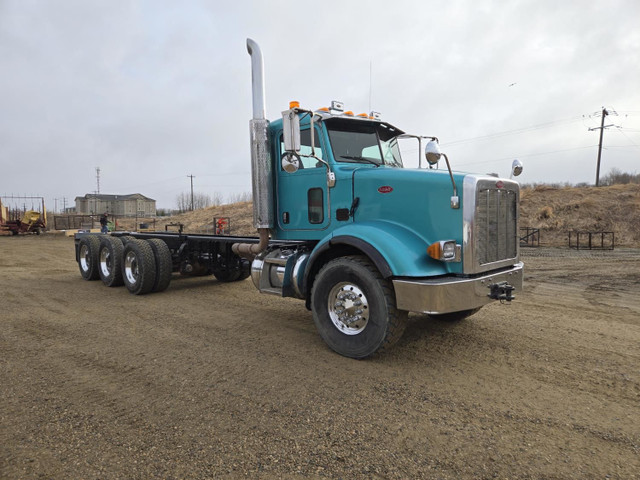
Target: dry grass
201, 221
555, 211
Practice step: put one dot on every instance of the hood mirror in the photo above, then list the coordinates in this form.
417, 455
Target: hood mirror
516, 168
432, 152
291, 130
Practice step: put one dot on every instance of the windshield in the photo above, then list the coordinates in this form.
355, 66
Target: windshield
364, 142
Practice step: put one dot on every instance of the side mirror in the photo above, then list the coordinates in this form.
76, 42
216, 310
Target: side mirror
291, 131
290, 162
432, 152
516, 168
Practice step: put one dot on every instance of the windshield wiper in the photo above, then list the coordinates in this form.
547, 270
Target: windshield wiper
363, 159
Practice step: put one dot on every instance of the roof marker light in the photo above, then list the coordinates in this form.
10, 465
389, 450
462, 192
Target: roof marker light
294, 104
349, 112
363, 115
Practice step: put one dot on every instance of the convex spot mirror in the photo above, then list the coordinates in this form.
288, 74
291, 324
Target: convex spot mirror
290, 162
432, 152
516, 168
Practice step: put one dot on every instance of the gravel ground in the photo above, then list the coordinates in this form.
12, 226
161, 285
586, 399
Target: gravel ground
211, 380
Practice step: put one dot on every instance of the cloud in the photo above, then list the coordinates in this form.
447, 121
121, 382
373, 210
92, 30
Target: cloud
153, 91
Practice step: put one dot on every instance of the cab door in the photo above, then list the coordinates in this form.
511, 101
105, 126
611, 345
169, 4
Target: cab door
303, 196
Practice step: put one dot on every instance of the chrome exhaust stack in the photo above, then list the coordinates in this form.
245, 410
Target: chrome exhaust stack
261, 169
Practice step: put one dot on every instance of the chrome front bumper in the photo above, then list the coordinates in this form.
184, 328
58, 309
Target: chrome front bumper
452, 294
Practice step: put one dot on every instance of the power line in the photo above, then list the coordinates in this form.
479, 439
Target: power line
525, 155
627, 137
515, 131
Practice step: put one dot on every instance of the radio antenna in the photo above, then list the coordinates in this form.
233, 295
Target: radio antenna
370, 82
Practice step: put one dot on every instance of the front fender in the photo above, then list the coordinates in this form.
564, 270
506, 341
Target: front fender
395, 250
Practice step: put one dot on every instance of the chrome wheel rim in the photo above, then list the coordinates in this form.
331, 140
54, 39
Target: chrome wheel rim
105, 262
84, 258
131, 267
348, 308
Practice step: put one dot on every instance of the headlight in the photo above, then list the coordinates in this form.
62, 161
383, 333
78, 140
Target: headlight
445, 251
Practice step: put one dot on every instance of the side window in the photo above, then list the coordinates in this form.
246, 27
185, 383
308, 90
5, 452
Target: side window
315, 202
305, 149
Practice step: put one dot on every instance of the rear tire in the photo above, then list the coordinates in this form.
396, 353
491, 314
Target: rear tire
164, 264
354, 308
138, 267
110, 261
88, 248
226, 275
245, 269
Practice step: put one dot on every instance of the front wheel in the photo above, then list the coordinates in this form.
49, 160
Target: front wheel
354, 308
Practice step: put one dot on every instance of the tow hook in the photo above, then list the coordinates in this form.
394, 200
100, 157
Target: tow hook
501, 291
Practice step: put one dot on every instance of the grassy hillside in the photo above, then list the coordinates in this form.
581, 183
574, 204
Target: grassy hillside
555, 211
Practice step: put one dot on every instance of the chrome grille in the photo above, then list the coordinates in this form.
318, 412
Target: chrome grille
496, 223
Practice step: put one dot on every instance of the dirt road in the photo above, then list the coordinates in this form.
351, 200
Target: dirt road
210, 380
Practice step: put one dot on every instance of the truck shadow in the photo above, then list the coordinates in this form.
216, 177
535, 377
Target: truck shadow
427, 337
185, 282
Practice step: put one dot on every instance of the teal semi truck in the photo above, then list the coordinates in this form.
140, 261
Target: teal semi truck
344, 226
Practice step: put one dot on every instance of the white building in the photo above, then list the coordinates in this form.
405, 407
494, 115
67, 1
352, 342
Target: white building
131, 205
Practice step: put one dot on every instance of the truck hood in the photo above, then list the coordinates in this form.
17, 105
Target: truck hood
417, 200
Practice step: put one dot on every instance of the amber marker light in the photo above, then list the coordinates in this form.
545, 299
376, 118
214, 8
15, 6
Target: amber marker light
323, 109
435, 250
294, 104
363, 115
349, 112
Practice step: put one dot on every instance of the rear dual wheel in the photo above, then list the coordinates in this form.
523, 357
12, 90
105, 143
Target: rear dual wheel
88, 249
138, 267
142, 266
164, 264
110, 261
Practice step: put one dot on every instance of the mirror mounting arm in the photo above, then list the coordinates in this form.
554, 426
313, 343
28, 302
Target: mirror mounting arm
455, 200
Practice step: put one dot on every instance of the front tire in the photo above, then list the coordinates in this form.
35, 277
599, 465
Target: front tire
354, 308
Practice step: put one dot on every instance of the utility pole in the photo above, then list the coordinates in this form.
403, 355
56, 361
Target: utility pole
191, 176
601, 128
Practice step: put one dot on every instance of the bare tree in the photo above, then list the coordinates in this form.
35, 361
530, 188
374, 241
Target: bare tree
200, 200
240, 197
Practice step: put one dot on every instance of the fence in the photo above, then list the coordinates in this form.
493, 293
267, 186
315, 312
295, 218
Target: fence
531, 237
607, 240
87, 222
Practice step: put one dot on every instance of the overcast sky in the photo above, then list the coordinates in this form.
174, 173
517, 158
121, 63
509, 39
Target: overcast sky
153, 91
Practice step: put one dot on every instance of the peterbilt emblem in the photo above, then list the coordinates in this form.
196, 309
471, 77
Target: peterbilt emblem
499, 184
385, 189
